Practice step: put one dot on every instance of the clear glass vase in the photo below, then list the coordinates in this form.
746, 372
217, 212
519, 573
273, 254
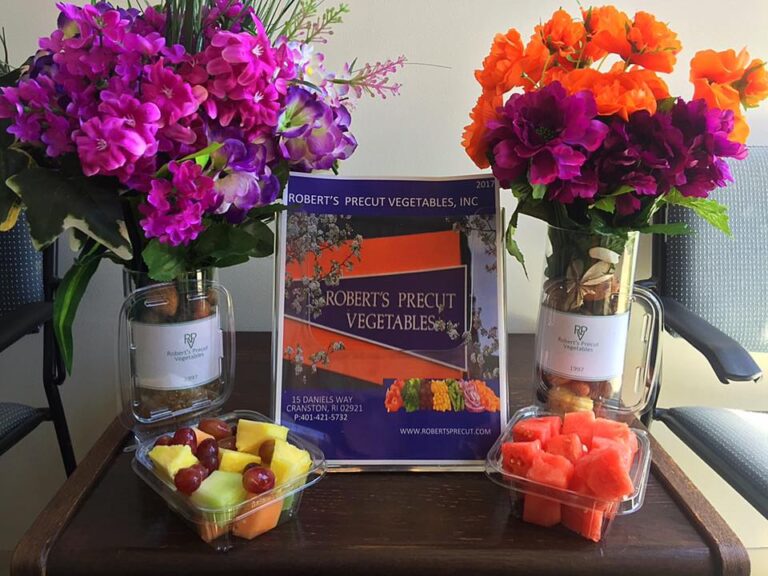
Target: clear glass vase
584, 322
176, 344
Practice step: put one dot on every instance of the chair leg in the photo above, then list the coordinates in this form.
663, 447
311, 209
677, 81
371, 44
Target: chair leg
53, 376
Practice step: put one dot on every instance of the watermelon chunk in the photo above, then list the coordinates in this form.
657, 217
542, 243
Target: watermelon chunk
613, 430
581, 423
603, 473
555, 424
566, 445
627, 456
551, 469
587, 522
517, 457
541, 511
534, 429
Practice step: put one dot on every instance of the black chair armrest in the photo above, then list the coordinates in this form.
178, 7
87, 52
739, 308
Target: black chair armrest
22, 321
730, 361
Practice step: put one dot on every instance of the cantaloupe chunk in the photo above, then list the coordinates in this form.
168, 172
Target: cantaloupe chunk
234, 461
258, 522
251, 435
170, 459
200, 435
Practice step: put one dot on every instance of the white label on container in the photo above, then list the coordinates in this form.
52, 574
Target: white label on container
582, 347
176, 356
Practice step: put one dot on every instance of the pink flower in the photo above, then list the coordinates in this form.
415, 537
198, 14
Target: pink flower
173, 212
106, 145
170, 93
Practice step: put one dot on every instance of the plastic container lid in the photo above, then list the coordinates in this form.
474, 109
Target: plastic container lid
176, 354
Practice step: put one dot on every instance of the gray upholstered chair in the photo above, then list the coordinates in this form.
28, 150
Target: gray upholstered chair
27, 284
715, 295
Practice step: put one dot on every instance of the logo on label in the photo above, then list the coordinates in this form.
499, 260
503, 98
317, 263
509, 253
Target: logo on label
580, 331
189, 338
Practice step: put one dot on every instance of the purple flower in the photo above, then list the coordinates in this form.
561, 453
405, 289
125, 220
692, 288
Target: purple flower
241, 191
545, 135
322, 141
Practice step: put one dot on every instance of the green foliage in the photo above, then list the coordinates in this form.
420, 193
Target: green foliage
163, 261
12, 162
56, 202
69, 294
710, 210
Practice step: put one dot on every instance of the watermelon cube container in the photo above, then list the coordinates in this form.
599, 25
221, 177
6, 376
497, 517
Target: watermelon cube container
228, 526
591, 517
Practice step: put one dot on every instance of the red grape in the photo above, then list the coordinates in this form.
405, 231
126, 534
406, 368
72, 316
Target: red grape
164, 441
258, 479
211, 462
215, 427
208, 448
188, 480
228, 443
204, 473
186, 436
249, 466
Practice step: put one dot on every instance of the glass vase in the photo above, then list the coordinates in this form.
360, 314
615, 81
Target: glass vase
176, 344
584, 322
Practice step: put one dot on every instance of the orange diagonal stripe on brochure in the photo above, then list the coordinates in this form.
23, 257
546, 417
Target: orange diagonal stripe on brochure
361, 359
389, 255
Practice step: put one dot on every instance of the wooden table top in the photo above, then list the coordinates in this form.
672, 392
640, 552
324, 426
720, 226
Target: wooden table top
105, 520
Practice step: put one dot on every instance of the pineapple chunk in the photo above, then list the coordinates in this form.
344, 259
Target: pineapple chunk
289, 462
251, 435
233, 461
170, 459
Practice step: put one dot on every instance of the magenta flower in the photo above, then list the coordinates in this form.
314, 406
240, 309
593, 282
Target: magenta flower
107, 145
169, 92
143, 118
173, 212
545, 135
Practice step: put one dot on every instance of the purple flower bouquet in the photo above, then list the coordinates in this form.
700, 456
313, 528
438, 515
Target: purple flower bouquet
163, 138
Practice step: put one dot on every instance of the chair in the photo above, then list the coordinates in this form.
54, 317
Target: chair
714, 290
27, 284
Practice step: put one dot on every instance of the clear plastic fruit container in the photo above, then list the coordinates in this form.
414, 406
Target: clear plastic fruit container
588, 516
223, 528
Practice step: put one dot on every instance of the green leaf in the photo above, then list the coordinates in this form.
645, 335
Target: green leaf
221, 243
539, 190
69, 294
521, 189
266, 212
164, 262
710, 210
56, 203
606, 204
665, 104
201, 157
670, 229
513, 248
11, 162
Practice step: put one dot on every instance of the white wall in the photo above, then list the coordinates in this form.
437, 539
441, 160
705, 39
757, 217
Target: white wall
416, 134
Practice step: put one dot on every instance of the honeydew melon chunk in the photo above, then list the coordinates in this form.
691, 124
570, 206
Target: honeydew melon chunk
289, 462
234, 461
251, 435
220, 490
170, 459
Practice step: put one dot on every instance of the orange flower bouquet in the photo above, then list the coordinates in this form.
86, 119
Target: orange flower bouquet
580, 125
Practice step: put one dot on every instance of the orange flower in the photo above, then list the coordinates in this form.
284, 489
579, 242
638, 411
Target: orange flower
563, 37
502, 67
606, 31
654, 45
724, 97
719, 67
621, 93
473, 139
644, 41
753, 86
535, 58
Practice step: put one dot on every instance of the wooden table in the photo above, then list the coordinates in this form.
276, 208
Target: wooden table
104, 520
